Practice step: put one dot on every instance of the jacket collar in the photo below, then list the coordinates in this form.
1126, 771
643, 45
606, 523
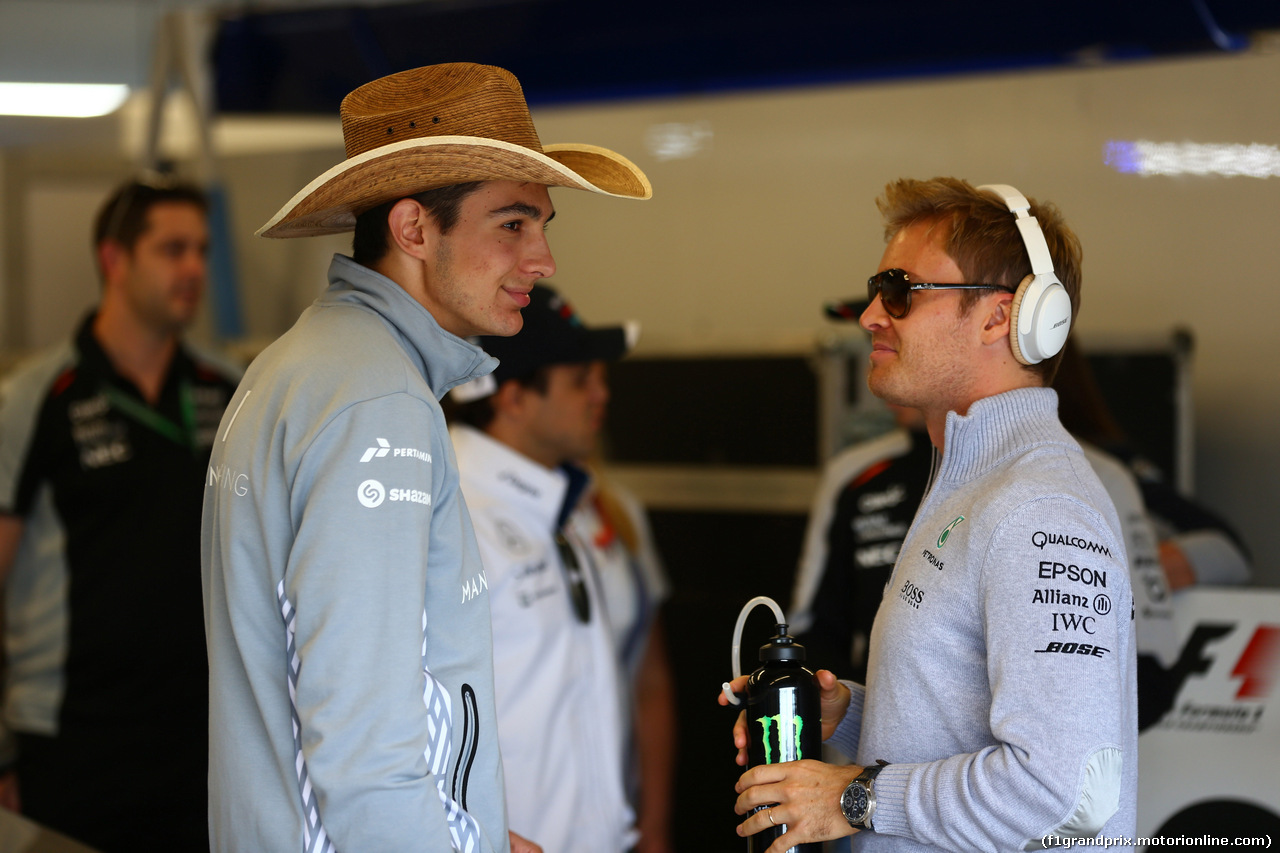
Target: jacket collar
445, 359
546, 495
93, 360
998, 426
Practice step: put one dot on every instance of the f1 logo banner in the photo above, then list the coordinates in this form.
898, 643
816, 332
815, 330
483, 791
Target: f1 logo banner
1222, 724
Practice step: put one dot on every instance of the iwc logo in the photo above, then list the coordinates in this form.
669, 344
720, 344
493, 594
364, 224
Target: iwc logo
371, 493
942, 537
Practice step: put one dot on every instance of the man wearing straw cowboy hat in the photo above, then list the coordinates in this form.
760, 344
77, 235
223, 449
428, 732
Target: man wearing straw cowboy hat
345, 602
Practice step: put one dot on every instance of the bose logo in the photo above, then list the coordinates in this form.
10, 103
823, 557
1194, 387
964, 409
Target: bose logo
1073, 649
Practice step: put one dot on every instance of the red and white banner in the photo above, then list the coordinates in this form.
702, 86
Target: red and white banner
1210, 767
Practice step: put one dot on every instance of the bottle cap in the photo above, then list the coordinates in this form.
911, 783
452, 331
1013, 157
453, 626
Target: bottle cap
782, 646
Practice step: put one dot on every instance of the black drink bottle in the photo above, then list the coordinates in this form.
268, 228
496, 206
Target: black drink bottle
784, 719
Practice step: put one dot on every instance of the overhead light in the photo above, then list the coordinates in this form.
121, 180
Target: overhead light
67, 100
678, 140
1189, 158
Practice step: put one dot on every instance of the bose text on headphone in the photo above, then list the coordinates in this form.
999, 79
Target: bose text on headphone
1041, 307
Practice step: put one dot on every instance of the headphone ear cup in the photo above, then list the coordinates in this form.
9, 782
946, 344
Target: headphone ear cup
1015, 320
1040, 320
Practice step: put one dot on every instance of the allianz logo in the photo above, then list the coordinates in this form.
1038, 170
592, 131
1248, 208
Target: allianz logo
384, 448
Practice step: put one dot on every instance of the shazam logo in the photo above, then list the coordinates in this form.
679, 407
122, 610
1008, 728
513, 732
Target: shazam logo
383, 448
371, 493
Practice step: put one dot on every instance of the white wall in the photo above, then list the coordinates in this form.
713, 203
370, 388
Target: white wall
775, 213
742, 242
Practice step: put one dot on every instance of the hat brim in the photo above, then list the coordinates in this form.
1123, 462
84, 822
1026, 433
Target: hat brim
608, 344
330, 203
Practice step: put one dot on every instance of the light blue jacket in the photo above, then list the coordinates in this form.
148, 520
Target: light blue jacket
345, 603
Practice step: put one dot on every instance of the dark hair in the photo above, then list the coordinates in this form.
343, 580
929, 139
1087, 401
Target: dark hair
123, 216
1081, 405
480, 413
372, 237
983, 239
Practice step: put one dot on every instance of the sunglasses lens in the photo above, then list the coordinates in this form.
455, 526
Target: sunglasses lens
578, 595
895, 291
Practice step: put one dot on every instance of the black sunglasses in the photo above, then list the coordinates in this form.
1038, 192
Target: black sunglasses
573, 574
894, 288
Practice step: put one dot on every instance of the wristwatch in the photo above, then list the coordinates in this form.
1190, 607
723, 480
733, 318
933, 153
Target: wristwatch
858, 802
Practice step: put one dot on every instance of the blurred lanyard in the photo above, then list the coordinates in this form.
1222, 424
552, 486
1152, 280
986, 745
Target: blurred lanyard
132, 407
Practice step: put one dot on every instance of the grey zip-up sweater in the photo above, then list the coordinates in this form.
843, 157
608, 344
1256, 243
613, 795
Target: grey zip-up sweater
1002, 678
345, 603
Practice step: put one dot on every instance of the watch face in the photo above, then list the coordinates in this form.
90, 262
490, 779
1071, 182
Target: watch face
854, 803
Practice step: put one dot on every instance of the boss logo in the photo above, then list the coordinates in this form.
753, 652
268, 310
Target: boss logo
912, 594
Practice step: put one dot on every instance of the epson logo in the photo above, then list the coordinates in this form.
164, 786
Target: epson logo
1079, 574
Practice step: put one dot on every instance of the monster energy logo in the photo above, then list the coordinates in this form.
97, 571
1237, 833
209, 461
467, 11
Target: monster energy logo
768, 723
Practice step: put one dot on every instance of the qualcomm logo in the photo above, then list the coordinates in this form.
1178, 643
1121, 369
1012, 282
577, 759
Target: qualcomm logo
383, 448
371, 493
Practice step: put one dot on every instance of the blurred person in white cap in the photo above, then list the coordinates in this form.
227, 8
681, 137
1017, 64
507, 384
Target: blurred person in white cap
346, 606
565, 589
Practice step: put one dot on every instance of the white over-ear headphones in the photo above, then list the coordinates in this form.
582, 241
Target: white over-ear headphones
1041, 307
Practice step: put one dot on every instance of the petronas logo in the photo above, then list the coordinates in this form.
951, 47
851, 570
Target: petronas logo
942, 537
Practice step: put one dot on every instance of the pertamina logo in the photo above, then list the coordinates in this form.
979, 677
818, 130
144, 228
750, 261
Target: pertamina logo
384, 448
942, 537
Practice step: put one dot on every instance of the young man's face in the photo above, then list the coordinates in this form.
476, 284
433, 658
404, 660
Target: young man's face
564, 423
162, 279
924, 360
484, 268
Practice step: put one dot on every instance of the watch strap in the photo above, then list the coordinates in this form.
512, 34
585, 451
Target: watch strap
866, 780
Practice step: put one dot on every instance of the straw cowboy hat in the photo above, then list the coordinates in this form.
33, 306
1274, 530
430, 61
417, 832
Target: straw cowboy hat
440, 125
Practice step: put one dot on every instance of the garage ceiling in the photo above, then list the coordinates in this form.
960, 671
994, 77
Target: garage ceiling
301, 56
